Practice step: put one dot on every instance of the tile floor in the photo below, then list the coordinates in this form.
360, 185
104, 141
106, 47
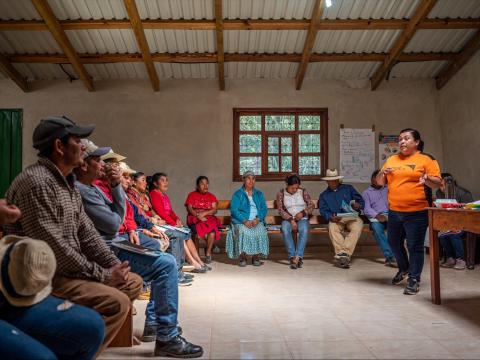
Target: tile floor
322, 312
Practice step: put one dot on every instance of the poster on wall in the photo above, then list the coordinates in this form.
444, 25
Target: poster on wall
357, 154
387, 146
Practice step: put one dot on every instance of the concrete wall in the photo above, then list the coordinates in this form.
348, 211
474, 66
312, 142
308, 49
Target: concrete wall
186, 129
459, 114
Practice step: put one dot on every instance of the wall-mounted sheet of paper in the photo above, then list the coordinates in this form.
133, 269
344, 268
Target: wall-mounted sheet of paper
387, 146
357, 155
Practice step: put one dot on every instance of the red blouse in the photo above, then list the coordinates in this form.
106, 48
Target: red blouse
163, 207
200, 201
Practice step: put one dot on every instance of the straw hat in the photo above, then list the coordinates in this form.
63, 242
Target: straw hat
125, 168
27, 267
112, 155
332, 175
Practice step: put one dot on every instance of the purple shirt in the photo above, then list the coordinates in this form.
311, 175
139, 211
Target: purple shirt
375, 201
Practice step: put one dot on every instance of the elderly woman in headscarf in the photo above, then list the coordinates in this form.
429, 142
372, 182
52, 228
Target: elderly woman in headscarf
248, 235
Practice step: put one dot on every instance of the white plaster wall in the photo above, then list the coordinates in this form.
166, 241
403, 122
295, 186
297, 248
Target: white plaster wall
459, 113
185, 129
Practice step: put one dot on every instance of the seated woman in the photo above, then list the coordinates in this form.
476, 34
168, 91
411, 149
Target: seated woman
248, 235
295, 206
452, 241
161, 204
138, 194
202, 207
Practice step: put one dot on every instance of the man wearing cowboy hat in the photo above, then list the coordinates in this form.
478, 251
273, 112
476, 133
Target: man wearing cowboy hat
34, 324
87, 273
338, 205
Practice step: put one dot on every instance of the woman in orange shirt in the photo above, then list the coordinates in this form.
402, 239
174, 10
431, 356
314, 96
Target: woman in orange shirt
411, 176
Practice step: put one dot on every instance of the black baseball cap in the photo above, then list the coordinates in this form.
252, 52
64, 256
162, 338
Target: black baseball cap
56, 127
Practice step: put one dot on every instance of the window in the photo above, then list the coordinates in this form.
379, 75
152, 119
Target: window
275, 142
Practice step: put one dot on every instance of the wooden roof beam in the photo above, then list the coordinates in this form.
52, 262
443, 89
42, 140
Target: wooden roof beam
7, 68
420, 14
245, 24
220, 50
137, 27
309, 42
58, 33
472, 46
233, 57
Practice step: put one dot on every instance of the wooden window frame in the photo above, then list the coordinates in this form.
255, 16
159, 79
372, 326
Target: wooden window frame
323, 132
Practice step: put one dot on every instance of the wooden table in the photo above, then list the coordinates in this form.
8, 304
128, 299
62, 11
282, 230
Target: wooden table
443, 220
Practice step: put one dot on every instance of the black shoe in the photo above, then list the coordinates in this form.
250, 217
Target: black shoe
208, 259
293, 265
242, 262
256, 261
206, 267
177, 347
202, 270
188, 276
180, 330
412, 287
149, 333
399, 277
390, 261
300, 263
344, 262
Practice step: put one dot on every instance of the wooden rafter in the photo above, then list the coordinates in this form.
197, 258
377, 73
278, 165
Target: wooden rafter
472, 46
247, 24
420, 14
220, 51
212, 57
137, 27
7, 68
58, 33
309, 42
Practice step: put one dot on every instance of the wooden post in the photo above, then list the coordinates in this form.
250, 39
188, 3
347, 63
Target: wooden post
434, 264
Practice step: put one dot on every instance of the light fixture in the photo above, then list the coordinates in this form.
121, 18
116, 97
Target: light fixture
328, 3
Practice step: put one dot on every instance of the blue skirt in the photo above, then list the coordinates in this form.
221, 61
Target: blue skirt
250, 241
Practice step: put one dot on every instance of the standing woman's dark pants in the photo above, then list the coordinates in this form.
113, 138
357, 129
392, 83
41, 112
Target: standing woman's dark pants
411, 226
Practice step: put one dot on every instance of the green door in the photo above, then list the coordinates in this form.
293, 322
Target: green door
10, 147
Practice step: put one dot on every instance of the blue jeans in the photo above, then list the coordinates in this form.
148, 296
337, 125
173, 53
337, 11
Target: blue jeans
45, 332
302, 238
177, 246
452, 245
161, 272
378, 229
411, 226
145, 241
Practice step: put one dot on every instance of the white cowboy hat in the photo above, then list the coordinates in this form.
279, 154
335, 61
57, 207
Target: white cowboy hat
27, 267
332, 175
124, 168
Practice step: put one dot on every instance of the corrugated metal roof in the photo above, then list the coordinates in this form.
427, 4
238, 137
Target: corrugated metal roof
428, 69
44, 71
339, 41
439, 40
264, 41
188, 41
30, 42
341, 70
252, 41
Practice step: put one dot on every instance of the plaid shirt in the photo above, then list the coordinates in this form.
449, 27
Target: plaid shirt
52, 211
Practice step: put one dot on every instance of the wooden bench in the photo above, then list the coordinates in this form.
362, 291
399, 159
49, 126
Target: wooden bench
318, 224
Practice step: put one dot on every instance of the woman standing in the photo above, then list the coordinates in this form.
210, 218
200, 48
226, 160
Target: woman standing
411, 176
202, 207
295, 206
248, 235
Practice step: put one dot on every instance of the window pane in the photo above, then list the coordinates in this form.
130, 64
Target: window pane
273, 165
250, 143
280, 122
273, 145
309, 165
309, 143
309, 122
286, 164
250, 123
286, 145
251, 163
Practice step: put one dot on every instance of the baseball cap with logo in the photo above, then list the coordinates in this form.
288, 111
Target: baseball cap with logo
93, 150
56, 127
27, 267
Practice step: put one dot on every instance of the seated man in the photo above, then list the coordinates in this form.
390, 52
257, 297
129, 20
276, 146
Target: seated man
87, 272
452, 241
338, 205
376, 209
107, 213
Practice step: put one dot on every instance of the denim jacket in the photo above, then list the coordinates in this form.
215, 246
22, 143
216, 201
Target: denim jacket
240, 205
330, 202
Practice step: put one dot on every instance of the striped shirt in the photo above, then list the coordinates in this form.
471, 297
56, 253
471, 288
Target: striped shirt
52, 211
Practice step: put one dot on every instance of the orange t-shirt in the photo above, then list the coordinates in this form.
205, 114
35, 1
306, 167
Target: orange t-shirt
405, 192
